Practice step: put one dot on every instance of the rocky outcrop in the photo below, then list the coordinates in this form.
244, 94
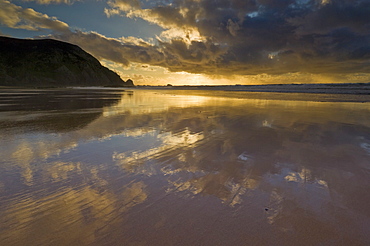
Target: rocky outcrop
51, 63
129, 82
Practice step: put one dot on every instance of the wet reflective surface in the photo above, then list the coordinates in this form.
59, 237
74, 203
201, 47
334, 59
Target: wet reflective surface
143, 167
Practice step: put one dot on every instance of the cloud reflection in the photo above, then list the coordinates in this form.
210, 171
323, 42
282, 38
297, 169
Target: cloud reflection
290, 160
68, 216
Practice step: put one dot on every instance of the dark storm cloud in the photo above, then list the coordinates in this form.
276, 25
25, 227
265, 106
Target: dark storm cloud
177, 55
350, 14
263, 36
244, 37
196, 53
120, 51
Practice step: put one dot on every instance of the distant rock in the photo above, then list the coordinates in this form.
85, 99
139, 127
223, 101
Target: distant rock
129, 82
51, 63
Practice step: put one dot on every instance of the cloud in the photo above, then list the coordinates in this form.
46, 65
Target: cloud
14, 16
121, 51
219, 37
46, 2
125, 5
353, 15
176, 55
264, 36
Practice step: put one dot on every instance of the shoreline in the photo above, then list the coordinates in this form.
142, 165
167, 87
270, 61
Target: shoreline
345, 88
352, 89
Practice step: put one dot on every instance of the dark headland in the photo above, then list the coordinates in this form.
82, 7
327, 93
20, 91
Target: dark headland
51, 63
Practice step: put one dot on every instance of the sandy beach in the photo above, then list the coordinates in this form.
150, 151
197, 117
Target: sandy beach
183, 167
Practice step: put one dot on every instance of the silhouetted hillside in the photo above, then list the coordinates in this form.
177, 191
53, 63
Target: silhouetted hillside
45, 63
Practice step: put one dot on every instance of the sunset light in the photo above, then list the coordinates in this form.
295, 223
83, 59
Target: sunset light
184, 122
203, 39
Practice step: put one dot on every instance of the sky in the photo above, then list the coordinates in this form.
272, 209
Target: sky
207, 42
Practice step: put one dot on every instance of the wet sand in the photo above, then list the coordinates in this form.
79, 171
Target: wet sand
183, 167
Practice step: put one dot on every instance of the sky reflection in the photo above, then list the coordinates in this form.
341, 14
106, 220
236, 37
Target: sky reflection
157, 167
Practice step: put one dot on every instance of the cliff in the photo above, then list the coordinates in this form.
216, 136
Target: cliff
51, 63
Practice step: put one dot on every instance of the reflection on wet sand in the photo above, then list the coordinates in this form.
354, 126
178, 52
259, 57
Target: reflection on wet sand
168, 168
